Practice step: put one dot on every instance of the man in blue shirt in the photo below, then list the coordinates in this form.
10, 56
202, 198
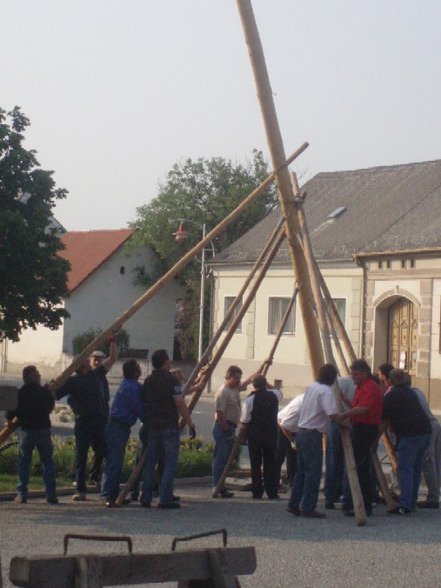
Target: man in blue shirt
127, 408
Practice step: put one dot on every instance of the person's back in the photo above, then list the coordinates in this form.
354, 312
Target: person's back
161, 410
404, 412
263, 421
35, 403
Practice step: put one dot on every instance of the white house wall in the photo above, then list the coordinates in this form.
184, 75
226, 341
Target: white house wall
108, 292
252, 346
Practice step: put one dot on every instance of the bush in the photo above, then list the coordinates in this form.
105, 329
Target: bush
82, 340
194, 458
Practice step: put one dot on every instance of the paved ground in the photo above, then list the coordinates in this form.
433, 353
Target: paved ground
291, 551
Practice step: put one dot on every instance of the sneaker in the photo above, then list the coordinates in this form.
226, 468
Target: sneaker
425, 504
168, 505
295, 510
20, 500
314, 514
226, 494
53, 500
399, 510
176, 498
329, 506
80, 497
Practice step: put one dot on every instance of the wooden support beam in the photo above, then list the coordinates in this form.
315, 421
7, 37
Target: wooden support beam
172, 272
269, 360
232, 309
116, 570
277, 150
385, 490
280, 236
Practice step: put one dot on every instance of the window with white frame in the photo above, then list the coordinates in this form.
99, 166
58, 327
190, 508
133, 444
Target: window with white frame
277, 307
228, 301
340, 305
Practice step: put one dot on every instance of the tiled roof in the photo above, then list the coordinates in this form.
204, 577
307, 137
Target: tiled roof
88, 250
386, 209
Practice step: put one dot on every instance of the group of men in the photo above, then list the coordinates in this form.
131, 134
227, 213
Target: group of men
294, 432
158, 403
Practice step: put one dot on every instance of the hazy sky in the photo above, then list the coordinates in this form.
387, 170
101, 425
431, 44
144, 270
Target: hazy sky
118, 91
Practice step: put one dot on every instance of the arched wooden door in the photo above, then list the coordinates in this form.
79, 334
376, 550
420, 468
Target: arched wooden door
403, 335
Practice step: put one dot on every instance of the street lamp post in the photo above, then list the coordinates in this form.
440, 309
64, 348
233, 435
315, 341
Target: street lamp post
182, 235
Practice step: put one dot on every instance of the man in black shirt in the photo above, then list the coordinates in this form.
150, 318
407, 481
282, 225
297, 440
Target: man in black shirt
404, 413
88, 402
259, 419
164, 402
34, 406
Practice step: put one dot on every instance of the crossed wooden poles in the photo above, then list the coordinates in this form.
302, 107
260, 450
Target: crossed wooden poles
311, 284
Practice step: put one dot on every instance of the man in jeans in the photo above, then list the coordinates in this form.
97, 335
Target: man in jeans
227, 404
34, 406
127, 408
164, 402
318, 406
403, 412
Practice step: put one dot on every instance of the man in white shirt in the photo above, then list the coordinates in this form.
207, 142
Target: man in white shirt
318, 406
288, 421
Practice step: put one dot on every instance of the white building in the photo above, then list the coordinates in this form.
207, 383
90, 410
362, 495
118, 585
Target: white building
101, 286
376, 234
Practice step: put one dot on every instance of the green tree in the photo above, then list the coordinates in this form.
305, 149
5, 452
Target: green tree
204, 191
33, 276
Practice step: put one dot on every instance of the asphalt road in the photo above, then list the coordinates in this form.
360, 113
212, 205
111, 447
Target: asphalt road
291, 551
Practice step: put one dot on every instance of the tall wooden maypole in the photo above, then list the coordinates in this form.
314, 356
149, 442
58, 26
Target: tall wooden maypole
278, 157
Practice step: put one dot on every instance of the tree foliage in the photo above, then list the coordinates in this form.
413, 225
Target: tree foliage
33, 277
203, 191
82, 340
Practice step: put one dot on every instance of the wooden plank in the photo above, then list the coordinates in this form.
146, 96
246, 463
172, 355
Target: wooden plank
286, 197
116, 570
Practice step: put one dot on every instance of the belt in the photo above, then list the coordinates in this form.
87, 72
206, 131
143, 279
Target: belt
310, 431
234, 425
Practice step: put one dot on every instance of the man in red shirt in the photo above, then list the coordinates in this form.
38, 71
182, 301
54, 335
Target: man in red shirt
365, 416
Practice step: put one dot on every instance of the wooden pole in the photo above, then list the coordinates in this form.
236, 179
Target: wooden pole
197, 394
270, 358
338, 323
172, 272
237, 319
232, 309
351, 468
277, 150
241, 435
385, 490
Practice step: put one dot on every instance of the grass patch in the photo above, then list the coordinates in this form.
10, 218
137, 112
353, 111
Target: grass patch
8, 482
194, 460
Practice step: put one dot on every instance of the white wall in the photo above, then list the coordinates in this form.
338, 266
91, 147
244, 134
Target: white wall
250, 348
105, 295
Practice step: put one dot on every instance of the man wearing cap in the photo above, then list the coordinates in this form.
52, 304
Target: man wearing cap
87, 399
96, 360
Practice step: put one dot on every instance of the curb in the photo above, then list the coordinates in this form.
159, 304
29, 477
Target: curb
67, 490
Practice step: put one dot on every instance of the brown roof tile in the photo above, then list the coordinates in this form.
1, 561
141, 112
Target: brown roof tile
88, 250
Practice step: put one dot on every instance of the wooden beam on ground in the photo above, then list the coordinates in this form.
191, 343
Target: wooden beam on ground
116, 570
277, 150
